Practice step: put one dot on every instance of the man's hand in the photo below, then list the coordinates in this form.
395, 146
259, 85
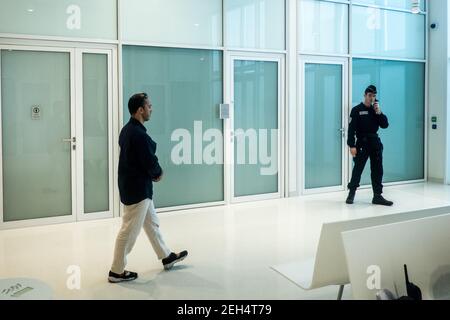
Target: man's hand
158, 179
354, 152
377, 108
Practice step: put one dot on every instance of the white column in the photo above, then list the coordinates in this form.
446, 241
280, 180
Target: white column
291, 100
438, 157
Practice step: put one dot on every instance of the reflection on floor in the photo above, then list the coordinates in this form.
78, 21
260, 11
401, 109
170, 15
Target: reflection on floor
231, 248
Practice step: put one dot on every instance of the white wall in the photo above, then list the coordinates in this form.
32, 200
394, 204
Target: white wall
437, 98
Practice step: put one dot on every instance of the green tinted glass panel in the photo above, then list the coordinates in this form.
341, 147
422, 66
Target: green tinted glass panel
95, 132
322, 27
255, 127
401, 87
323, 123
193, 22
63, 18
387, 33
255, 24
185, 87
35, 119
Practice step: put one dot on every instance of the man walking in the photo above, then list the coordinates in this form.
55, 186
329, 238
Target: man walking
138, 169
365, 120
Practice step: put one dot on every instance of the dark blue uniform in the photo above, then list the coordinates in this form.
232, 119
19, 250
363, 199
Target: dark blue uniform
138, 164
364, 124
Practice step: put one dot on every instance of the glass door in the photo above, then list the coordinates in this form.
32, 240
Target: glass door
255, 145
56, 135
94, 125
37, 135
323, 95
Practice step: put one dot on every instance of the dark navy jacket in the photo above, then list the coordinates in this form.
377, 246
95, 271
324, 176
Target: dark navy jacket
364, 122
138, 164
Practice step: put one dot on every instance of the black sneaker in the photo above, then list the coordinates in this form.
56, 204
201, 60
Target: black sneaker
378, 199
351, 197
125, 276
173, 258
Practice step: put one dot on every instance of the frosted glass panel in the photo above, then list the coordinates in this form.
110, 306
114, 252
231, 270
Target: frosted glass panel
323, 121
36, 163
185, 87
401, 4
401, 87
323, 27
255, 127
193, 22
378, 32
256, 24
95, 132
66, 18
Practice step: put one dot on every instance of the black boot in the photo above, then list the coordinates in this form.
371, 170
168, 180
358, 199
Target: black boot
351, 197
378, 199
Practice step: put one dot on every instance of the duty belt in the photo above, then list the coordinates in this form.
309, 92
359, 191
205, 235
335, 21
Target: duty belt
368, 135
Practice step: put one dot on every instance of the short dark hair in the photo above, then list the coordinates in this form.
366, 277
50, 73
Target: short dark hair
371, 89
136, 101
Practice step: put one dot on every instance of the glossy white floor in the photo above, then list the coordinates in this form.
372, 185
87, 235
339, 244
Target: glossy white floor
231, 248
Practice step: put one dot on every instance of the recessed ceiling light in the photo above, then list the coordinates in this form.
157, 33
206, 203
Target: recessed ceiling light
30, 10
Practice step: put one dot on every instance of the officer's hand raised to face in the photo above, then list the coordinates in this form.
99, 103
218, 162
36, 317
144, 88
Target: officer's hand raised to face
353, 151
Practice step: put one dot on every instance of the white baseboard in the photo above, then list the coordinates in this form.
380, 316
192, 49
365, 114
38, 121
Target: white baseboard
436, 180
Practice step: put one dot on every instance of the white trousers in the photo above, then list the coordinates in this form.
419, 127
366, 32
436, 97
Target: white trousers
136, 216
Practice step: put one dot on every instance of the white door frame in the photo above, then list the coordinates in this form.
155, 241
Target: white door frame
303, 60
51, 220
76, 114
81, 216
230, 57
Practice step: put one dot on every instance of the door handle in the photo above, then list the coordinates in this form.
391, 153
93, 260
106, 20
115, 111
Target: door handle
70, 140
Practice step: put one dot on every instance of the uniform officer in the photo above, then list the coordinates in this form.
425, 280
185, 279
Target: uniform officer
365, 120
